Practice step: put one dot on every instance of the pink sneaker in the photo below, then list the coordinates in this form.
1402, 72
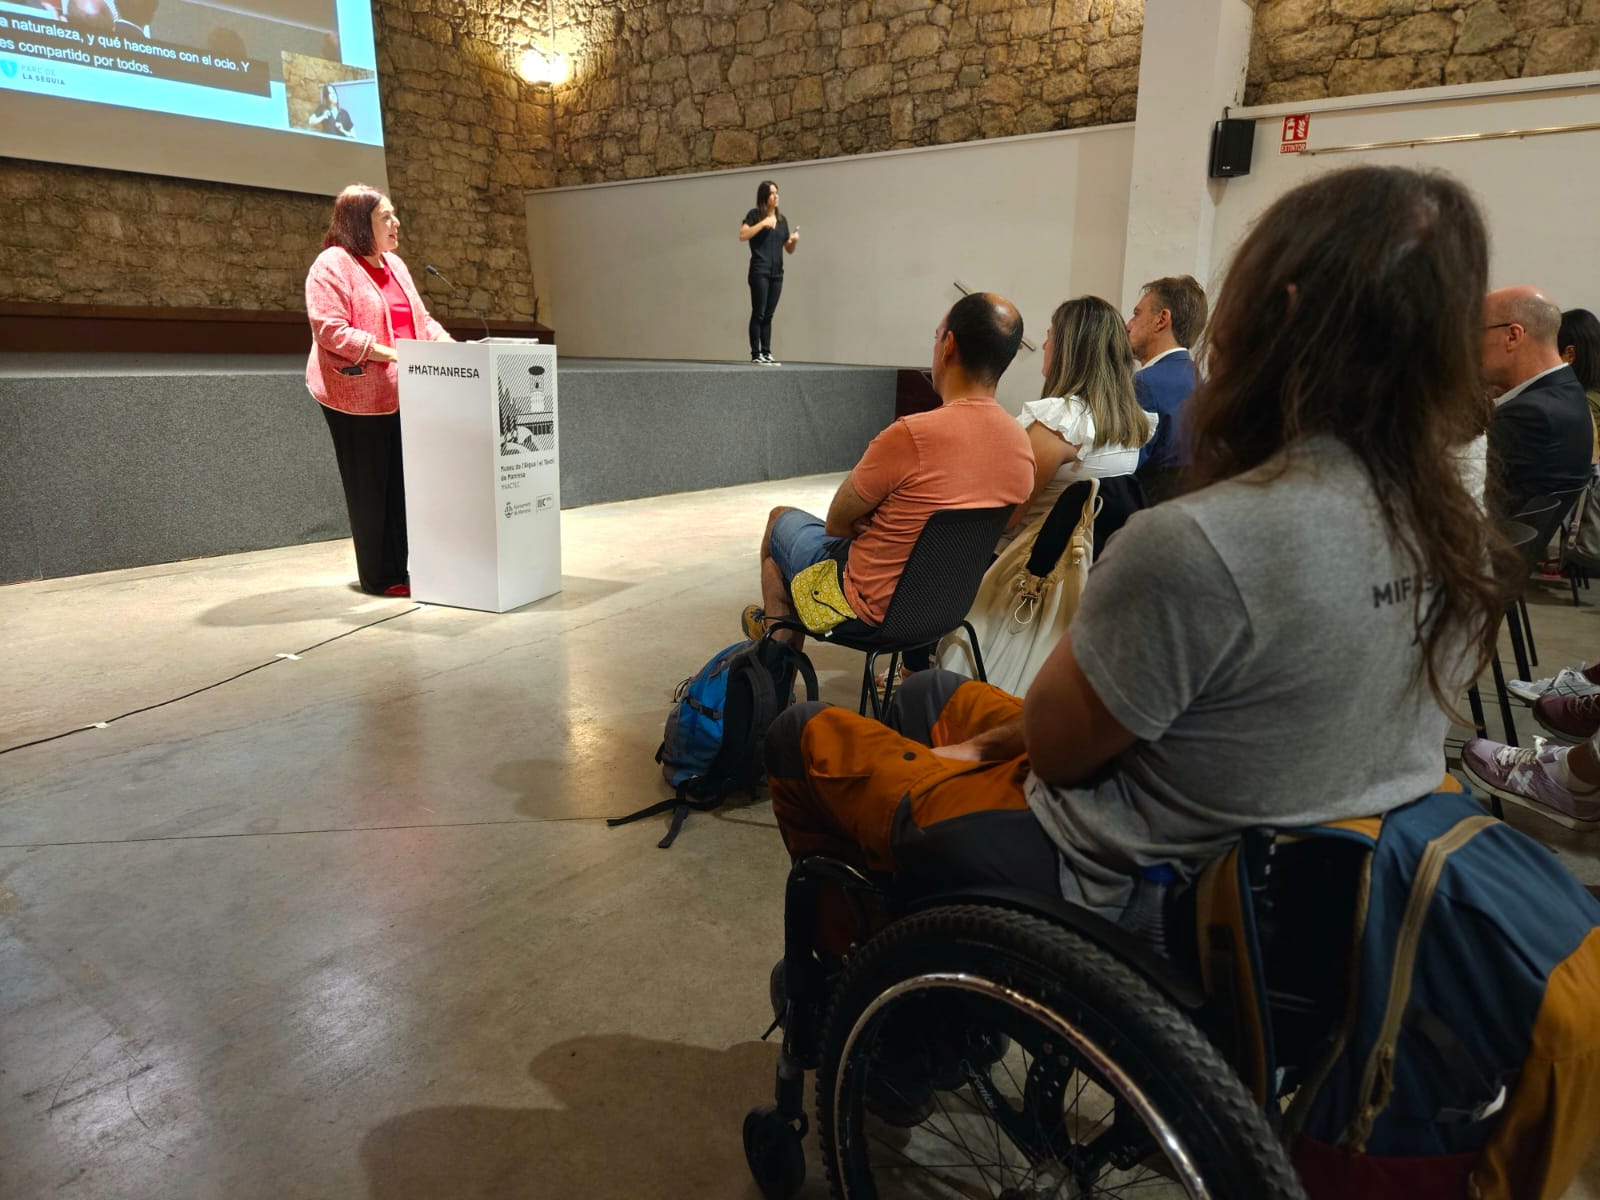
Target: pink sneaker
1569, 718
1519, 775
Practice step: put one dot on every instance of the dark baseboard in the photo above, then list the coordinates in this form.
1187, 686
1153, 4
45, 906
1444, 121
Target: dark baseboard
103, 328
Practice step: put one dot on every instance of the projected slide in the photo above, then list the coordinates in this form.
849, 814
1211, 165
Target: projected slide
235, 90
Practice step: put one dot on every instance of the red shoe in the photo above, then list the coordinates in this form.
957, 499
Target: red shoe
1569, 719
397, 589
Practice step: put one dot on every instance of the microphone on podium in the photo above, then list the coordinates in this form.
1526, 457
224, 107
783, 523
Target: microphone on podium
434, 271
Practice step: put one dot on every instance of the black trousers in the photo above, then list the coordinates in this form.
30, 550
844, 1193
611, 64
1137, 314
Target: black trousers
370, 466
764, 293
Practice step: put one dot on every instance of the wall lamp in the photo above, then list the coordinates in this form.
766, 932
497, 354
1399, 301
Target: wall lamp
535, 66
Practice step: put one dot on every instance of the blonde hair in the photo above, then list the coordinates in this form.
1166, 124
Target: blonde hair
1090, 358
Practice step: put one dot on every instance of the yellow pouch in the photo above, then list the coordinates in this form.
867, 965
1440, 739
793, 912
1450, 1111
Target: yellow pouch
819, 597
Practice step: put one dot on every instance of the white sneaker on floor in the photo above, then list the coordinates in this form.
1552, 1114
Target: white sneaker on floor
1569, 681
767, 360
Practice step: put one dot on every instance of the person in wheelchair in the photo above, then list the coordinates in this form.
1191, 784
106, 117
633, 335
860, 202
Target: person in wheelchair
1277, 647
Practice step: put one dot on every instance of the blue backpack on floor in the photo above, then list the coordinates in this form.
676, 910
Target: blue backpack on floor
719, 718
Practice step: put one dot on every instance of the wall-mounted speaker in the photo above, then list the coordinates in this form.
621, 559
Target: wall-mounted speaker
1232, 140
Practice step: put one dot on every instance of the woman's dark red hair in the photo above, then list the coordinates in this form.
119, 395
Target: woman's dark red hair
351, 226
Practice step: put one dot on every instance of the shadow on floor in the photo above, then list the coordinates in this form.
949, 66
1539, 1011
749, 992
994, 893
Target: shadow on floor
636, 1119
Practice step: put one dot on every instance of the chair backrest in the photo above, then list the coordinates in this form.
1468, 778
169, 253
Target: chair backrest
942, 575
1544, 514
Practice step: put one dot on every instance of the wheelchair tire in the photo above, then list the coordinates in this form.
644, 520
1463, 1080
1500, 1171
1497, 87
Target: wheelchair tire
1073, 1075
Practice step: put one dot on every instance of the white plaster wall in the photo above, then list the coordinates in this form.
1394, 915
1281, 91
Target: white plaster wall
1538, 194
654, 269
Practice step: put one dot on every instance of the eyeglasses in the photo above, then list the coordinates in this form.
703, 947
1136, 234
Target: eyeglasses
1500, 325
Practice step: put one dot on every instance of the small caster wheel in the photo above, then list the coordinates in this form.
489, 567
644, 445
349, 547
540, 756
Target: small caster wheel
772, 1149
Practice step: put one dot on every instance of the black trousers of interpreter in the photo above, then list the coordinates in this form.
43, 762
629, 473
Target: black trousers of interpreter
764, 293
370, 466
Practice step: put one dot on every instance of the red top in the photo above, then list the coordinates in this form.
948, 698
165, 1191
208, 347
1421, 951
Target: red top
399, 304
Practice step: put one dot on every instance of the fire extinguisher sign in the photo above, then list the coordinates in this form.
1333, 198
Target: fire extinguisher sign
1295, 129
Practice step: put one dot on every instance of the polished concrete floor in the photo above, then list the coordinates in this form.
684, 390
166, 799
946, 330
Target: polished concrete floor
350, 924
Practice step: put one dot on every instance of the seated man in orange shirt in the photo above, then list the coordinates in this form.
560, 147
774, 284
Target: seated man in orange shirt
967, 453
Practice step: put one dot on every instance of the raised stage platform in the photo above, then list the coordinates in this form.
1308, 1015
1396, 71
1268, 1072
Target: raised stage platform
121, 460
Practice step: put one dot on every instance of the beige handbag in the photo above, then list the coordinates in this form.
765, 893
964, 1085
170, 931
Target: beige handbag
1021, 616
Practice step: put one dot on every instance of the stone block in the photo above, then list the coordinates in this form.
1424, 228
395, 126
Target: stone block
1424, 33
721, 111
1354, 78
869, 34
1309, 53
866, 82
1071, 14
917, 42
1274, 18
807, 94
752, 27
1002, 89
954, 127
789, 17
1484, 26
741, 70
705, 72
759, 113
687, 116
1361, 10
1558, 51
690, 34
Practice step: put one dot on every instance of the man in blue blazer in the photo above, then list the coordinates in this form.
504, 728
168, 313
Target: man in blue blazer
1168, 318
1541, 438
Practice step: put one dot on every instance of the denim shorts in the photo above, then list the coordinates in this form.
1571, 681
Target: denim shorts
799, 540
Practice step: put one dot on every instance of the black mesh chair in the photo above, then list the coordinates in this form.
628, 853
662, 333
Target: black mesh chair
935, 591
1544, 515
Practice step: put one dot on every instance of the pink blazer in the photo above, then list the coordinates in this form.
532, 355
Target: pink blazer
348, 314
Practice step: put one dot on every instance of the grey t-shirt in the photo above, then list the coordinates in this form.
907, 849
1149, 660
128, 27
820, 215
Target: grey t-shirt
1259, 637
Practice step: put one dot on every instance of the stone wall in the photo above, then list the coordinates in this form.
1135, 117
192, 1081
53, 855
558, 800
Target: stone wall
466, 139
1302, 49
662, 86
666, 86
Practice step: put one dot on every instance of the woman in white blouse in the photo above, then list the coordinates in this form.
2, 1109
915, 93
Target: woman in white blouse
1087, 424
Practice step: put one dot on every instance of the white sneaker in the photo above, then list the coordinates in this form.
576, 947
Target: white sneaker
767, 360
1569, 681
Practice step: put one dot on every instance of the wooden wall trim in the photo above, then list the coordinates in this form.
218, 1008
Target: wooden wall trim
101, 328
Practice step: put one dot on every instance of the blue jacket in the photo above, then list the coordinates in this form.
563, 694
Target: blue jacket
1162, 388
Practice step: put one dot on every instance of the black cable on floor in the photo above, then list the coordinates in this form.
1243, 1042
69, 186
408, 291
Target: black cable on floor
275, 659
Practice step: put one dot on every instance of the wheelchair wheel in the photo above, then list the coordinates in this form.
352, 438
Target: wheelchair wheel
974, 1051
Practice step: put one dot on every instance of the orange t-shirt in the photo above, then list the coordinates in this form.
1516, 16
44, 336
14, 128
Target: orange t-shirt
964, 454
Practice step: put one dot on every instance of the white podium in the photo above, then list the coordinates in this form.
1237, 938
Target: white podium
483, 480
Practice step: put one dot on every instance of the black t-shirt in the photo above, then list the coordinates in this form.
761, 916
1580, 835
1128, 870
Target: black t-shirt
766, 247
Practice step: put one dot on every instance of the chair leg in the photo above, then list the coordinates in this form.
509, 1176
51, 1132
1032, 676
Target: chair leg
1505, 702
977, 654
869, 690
1527, 632
1475, 703
1519, 652
889, 679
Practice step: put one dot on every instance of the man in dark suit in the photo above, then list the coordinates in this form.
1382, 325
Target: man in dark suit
1541, 437
1168, 318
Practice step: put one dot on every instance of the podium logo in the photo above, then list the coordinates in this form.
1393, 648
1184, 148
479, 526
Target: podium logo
8, 68
447, 372
545, 502
508, 510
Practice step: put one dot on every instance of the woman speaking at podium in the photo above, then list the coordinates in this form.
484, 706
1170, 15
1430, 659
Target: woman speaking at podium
360, 299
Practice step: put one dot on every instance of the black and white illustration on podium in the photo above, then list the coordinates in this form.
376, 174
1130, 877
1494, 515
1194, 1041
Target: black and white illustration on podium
479, 424
527, 406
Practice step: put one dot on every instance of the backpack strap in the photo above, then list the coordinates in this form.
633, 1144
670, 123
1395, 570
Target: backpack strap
802, 666
680, 803
1377, 1078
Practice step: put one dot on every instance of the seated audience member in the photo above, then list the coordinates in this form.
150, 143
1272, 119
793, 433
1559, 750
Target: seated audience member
1578, 340
1560, 783
967, 453
1203, 688
1166, 321
1086, 423
1541, 438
